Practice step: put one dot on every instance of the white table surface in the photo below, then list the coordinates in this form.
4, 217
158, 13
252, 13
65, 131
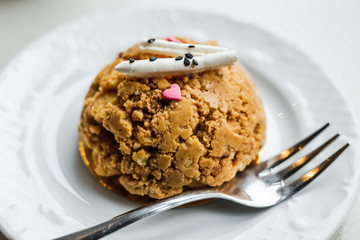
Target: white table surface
326, 30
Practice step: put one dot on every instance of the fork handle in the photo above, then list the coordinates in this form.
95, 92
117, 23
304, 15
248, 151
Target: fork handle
116, 223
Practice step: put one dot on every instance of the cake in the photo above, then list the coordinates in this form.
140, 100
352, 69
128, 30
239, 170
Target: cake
158, 130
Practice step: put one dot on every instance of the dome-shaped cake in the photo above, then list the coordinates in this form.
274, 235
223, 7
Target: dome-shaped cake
156, 147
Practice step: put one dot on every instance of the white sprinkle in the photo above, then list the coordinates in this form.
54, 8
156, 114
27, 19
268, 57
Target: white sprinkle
168, 66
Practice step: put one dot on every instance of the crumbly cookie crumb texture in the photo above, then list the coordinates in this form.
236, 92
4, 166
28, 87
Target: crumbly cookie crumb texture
156, 147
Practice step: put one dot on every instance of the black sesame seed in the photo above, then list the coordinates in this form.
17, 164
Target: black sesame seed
132, 60
151, 40
186, 62
189, 55
195, 62
191, 46
178, 58
152, 59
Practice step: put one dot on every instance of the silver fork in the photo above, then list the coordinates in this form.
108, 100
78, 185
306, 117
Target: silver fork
259, 186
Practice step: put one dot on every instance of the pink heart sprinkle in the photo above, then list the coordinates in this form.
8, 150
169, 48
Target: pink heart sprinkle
171, 39
173, 93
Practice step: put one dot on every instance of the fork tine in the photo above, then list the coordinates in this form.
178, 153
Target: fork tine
285, 154
298, 184
293, 168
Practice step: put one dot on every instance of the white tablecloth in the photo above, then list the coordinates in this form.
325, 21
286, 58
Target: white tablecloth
326, 30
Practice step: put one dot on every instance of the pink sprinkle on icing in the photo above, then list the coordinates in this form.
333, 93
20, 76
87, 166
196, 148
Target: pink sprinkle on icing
173, 93
171, 39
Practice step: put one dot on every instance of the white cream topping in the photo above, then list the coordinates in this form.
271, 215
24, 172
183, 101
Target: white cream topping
175, 49
170, 66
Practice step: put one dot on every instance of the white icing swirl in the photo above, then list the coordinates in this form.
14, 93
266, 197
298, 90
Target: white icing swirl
177, 49
169, 66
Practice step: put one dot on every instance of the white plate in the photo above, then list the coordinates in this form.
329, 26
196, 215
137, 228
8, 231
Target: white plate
47, 192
